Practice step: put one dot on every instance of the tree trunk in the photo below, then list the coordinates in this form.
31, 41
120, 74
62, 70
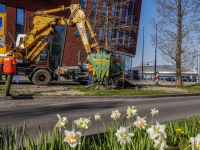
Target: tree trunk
179, 43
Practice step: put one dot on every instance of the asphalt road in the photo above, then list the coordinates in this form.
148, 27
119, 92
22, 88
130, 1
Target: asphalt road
43, 112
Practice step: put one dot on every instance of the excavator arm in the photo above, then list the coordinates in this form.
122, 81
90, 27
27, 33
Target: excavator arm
79, 18
43, 26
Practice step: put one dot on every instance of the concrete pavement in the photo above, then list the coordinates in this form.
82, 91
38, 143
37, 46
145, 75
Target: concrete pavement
160, 82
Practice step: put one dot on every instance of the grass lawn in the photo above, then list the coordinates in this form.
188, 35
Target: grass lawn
137, 91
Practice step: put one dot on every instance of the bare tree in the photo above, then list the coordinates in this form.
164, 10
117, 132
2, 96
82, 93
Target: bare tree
177, 25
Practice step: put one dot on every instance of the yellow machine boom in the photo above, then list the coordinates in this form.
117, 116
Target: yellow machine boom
43, 25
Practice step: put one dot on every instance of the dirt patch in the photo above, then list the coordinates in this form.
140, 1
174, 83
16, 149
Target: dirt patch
164, 89
45, 90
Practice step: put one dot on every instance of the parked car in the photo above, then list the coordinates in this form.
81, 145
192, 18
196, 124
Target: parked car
142, 78
193, 79
170, 79
149, 78
189, 79
185, 79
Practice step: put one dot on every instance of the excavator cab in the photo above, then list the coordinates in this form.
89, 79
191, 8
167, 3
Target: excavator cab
56, 47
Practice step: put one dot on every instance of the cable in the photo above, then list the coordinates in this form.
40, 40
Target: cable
10, 36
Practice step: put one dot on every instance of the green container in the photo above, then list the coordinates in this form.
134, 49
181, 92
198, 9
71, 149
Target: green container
103, 61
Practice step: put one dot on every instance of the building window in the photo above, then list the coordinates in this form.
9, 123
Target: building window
126, 21
2, 8
112, 22
127, 63
131, 25
93, 15
103, 15
120, 21
83, 5
20, 21
94, 10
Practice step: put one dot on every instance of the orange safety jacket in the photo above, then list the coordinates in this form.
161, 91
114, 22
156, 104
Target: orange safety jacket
8, 63
90, 67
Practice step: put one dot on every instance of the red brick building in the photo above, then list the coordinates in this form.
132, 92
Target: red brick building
18, 11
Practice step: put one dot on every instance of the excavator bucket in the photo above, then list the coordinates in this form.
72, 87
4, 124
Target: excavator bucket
107, 68
101, 63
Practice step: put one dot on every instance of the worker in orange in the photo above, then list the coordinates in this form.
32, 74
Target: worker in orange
9, 68
90, 70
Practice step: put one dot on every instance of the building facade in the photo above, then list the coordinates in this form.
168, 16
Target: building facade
120, 12
165, 71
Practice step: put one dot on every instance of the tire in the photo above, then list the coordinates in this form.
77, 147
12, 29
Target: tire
30, 79
41, 77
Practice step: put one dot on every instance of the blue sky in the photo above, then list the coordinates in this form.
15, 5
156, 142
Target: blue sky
148, 11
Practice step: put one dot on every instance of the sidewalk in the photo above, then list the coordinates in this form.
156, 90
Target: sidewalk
160, 82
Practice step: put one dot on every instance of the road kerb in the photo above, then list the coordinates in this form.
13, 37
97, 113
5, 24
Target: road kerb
80, 97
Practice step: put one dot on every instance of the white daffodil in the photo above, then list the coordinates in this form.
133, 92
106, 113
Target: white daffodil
154, 112
195, 142
97, 116
88, 123
157, 131
80, 123
83, 123
115, 114
131, 111
124, 135
73, 138
140, 122
163, 144
61, 122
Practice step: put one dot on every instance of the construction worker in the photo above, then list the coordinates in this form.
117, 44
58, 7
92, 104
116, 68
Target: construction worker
8, 68
90, 70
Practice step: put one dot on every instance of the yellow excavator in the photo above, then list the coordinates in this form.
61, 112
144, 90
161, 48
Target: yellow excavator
39, 57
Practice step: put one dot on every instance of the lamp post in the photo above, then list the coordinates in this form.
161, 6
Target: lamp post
142, 53
149, 62
198, 66
155, 53
154, 65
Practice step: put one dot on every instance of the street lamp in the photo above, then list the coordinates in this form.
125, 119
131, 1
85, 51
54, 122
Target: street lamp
198, 66
155, 53
149, 62
142, 53
155, 68
155, 56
